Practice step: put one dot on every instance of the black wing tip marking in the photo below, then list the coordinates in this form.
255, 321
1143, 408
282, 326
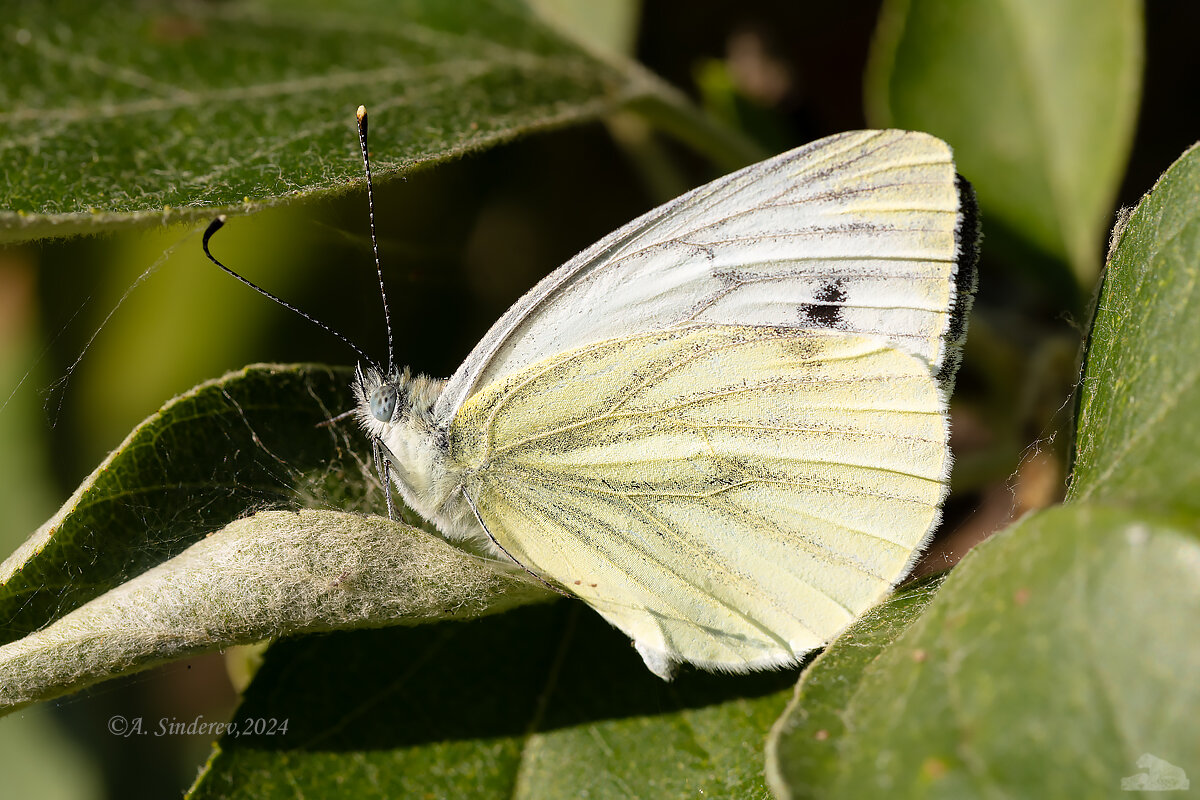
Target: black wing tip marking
967, 235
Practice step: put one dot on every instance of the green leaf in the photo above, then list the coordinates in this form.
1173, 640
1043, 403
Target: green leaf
246, 441
611, 26
803, 745
1039, 100
541, 702
165, 112
1139, 414
1054, 658
276, 573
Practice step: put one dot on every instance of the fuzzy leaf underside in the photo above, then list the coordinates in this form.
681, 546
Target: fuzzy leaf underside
250, 440
273, 574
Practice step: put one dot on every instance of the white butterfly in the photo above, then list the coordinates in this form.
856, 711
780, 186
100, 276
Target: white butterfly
723, 426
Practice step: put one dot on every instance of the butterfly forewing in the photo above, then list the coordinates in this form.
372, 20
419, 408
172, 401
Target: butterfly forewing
858, 233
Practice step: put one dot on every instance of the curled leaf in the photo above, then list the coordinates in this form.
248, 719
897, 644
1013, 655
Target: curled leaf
273, 574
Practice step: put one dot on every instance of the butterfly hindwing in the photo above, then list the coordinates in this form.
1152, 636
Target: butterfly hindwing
728, 496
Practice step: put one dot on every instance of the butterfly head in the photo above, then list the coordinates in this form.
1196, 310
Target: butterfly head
396, 412
397, 408
395, 398
382, 402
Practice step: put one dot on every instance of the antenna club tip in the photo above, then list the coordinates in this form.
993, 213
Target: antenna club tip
362, 112
222, 218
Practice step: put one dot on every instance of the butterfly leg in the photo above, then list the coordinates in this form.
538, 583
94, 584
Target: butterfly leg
383, 469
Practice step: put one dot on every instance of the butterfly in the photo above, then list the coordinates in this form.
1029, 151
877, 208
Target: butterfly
724, 426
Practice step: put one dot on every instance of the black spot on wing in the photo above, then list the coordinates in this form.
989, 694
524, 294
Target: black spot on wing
826, 309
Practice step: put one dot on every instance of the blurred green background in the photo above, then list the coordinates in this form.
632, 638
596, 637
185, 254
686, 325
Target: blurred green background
460, 242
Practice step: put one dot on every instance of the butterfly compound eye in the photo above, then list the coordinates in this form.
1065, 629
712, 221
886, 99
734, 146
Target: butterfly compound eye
383, 402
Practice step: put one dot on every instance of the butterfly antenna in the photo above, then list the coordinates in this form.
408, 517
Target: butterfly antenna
219, 223
366, 157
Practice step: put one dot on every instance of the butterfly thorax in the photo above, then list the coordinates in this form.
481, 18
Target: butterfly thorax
397, 413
